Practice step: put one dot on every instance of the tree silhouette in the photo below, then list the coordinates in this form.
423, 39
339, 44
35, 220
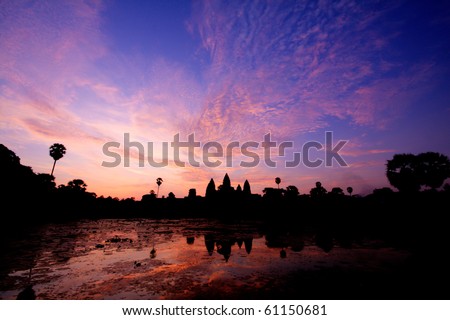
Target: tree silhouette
337, 191
45, 182
408, 172
434, 169
8, 157
272, 193
291, 192
350, 191
158, 182
278, 181
402, 173
15, 176
76, 186
57, 151
318, 191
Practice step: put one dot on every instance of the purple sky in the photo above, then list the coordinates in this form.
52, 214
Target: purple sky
83, 73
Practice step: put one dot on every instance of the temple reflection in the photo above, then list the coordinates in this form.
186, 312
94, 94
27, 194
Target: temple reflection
197, 254
224, 244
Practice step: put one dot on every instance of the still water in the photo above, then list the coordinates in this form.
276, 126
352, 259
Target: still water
177, 259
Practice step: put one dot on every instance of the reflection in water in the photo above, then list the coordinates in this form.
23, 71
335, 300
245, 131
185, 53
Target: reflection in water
153, 253
28, 293
298, 246
209, 243
324, 240
224, 248
224, 243
117, 259
248, 243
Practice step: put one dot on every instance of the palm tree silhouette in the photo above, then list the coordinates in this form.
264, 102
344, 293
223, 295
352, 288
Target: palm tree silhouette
158, 182
57, 151
278, 181
350, 191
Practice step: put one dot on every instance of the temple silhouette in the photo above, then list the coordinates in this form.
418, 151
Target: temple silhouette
225, 190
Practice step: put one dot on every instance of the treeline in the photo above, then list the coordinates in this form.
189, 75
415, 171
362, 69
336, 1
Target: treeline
30, 197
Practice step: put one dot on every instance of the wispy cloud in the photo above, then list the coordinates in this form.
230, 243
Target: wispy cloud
284, 67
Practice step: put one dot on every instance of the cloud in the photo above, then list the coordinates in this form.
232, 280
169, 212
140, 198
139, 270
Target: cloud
360, 146
285, 67
167, 103
46, 46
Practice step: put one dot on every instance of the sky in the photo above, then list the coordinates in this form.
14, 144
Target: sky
85, 73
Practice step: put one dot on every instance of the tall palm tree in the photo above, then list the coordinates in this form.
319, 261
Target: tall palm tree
57, 151
278, 181
350, 191
158, 182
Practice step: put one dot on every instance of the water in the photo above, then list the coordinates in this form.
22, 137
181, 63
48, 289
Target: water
111, 259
